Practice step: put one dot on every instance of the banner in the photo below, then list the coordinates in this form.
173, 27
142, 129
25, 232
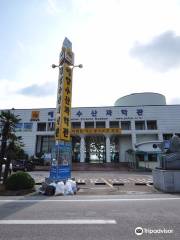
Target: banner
63, 108
75, 131
64, 93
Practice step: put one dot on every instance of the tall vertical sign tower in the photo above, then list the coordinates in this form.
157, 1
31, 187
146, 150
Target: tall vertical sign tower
61, 163
64, 93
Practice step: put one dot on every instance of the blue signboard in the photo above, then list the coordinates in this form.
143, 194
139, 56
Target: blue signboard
60, 172
166, 144
61, 161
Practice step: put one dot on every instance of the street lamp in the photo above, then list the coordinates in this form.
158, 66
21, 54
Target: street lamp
73, 66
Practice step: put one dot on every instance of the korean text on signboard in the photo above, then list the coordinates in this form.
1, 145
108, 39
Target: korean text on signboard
35, 116
63, 114
95, 131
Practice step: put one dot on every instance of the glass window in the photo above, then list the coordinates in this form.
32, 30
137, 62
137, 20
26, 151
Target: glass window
41, 126
44, 144
18, 127
76, 124
1, 127
167, 136
50, 126
152, 157
28, 127
114, 124
140, 125
100, 124
126, 125
89, 124
140, 157
152, 125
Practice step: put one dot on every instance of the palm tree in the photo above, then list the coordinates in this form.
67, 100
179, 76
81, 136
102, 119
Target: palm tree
8, 122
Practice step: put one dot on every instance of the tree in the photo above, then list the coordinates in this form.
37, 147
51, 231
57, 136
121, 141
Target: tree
8, 139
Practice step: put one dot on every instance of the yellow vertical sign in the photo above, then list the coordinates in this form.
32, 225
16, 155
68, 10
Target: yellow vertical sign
65, 127
64, 94
63, 114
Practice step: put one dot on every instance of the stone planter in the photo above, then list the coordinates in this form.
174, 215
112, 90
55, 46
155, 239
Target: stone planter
166, 180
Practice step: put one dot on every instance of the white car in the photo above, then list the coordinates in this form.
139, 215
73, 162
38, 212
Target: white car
3, 167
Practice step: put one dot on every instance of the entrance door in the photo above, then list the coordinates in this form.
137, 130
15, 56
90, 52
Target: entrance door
95, 149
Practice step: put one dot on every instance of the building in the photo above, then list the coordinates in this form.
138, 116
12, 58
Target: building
129, 131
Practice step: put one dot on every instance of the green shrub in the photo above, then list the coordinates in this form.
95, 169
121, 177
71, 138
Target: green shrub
19, 180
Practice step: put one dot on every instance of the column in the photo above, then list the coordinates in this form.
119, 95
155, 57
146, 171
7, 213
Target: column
118, 149
82, 149
133, 135
108, 158
107, 123
160, 136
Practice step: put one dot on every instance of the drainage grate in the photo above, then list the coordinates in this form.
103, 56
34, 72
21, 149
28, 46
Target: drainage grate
100, 183
140, 183
81, 183
118, 184
38, 183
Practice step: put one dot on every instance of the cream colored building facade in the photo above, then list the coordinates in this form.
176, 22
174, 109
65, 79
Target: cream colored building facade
134, 126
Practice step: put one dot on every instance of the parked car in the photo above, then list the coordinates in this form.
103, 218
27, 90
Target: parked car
3, 168
22, 165
46, 157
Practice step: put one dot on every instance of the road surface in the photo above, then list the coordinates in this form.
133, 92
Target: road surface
90, 217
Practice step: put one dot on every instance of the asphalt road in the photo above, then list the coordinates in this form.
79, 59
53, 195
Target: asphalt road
89, 217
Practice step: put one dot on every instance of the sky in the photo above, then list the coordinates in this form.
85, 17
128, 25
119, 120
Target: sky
125, 46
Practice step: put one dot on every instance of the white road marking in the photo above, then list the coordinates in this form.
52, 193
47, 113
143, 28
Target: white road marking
87, 200
110, 185
69, 221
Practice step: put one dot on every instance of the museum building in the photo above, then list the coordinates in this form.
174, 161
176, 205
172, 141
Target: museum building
129, 131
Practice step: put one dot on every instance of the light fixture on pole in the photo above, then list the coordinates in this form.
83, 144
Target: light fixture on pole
73, 66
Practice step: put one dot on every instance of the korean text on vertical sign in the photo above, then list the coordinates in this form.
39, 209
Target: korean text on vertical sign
59, 102
63, 114
66, 104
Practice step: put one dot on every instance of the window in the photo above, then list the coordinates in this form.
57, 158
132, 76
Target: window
114, 124
151, 125
41, 126
44, 144
1, 127
100, 124
140, 157
18, 127
89, 124
152, 157
50, 126
28, 127
126, 125
76, 124
167, 136
140, 125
